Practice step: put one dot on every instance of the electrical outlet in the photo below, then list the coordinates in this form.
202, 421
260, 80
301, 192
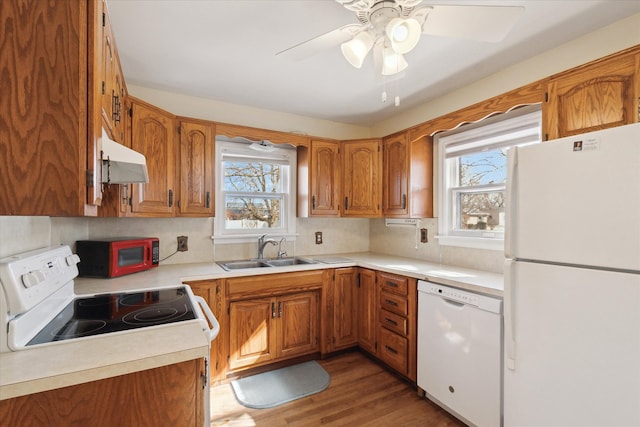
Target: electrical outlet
318, 237
182, 244
423, 235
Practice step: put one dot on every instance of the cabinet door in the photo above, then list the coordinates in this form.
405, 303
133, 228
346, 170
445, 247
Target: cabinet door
152, 135
213, 293
298, 324
407, 177
345, 306
362, 183
108, 69
598, 96
367, 310
396, 175
252, 339
50, 109
196, 169
170, 395
325, 178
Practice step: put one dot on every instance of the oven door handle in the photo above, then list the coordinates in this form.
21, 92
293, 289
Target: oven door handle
215, 326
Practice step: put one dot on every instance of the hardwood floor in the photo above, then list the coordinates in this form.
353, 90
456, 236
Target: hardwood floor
361, 393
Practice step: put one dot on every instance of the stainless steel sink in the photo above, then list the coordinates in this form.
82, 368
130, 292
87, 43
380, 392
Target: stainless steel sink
281, 262
259, 263
247, 263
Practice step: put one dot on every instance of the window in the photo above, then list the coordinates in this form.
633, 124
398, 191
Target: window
256, 194
473, 176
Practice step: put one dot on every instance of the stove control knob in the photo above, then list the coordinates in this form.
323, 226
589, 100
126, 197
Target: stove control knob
32, 278
72, 260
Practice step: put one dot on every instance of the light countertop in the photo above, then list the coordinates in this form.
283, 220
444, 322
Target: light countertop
173, 274
83, 360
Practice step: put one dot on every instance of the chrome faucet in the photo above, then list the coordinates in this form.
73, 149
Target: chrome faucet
281, 253
262, 243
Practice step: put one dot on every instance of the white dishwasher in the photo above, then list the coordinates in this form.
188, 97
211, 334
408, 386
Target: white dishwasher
460, 352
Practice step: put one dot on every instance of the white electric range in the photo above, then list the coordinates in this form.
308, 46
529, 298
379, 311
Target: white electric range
38, 306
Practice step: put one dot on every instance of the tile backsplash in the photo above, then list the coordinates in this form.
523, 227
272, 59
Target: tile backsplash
343, 235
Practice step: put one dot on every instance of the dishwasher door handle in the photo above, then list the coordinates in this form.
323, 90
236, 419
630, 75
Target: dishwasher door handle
452, 302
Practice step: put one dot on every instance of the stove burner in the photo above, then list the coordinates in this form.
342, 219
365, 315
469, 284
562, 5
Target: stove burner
150, 315
78, 328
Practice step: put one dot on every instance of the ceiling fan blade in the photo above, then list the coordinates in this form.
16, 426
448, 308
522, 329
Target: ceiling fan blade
317, 44
484, 23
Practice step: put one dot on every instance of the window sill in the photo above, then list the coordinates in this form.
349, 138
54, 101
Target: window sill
472, 242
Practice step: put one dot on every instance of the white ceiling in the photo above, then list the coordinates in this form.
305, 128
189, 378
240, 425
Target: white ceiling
225, 51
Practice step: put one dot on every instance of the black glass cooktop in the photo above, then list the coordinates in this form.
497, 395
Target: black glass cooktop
102, 314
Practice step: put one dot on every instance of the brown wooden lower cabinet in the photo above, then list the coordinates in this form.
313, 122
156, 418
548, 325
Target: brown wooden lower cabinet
343, 315
264, 330
166, 396
272, 317
367, 310
387, 316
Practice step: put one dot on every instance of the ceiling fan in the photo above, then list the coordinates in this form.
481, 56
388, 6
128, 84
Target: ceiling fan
392, 28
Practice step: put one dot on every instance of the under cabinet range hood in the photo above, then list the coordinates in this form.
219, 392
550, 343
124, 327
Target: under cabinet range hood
121, 165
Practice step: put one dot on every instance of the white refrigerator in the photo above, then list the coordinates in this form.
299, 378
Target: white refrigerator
572, 282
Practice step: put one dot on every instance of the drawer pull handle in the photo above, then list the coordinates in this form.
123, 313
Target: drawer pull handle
392, 322
393, 303
392, 350
392, 284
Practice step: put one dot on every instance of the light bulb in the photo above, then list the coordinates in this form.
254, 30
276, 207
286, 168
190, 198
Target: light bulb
404, 34
356, 49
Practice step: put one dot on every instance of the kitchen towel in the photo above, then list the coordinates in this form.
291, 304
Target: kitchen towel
274, 388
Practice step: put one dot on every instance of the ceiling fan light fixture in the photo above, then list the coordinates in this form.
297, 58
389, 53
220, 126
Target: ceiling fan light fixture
356, 49
404, 34
392, 62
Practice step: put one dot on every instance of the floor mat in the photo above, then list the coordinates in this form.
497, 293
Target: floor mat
276, 387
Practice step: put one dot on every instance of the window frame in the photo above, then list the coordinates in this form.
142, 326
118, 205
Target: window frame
285, 155
492, 131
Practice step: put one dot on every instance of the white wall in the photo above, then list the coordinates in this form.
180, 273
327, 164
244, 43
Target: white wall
207, 109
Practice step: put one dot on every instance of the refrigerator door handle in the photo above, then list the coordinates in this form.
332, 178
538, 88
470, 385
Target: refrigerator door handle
509, 337
510, 201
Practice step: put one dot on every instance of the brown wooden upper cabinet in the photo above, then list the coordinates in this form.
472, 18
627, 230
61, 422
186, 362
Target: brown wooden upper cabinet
598, 95
51, 143
407, 190
361, 178
324, 178
153, 135
196, 196
113, 87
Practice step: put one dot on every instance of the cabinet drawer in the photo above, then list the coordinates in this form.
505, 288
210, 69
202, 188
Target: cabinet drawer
394, 303
393, 322
393, 283
393, 350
